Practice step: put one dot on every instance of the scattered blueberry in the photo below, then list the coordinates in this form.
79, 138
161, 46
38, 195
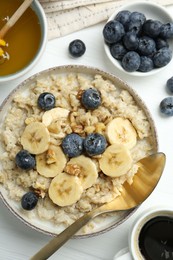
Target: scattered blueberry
72, 145
131, 61
146, 64
113, 31
166, 31
152, 28
166, 106
131, 41
123, 17
77, 48
29, 200
169, 85
146, 46
118, 51
46, 101
91, 98
162, 57
25, 160
95, 144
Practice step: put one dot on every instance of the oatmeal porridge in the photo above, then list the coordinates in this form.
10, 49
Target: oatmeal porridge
82, 147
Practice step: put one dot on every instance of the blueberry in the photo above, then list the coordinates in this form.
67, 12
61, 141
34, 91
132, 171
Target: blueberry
169, 85
162, 57
123, 16
46, 101
25, 160
91, 99
166, 31
29, 200
135, 27
95, 144
152, 28
72, 145
131, 41
147, 46
160, 43
113, 31
131, 61
166, 106
77, 48
137, 17
146, 64
118, 51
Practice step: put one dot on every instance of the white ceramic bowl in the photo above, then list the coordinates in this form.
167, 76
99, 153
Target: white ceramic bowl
44, 31
46, 226
151, 11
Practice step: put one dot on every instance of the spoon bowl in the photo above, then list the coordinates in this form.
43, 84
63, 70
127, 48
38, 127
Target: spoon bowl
144, 182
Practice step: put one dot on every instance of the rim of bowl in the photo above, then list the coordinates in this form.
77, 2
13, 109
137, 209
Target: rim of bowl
115, 62
36, 6
83, 69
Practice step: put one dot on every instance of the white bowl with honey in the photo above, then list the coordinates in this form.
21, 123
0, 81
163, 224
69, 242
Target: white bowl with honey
25, 41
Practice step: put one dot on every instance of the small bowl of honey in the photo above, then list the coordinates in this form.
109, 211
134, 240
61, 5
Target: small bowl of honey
24, 44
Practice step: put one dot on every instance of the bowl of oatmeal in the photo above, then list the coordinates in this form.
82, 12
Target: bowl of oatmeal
70, 137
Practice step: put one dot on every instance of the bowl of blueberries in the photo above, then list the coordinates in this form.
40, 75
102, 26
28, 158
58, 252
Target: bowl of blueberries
138, 38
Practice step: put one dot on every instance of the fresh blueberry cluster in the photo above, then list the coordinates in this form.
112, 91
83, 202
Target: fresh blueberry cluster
139, 44
74, 145
166, 105
25, 161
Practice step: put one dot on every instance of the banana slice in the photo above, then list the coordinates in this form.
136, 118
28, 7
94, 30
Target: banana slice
116, 160
54, 114
65, 189
35, 138
51, 162
84, 168
120, 130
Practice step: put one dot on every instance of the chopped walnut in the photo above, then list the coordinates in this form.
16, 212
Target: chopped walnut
77, 129
79, 94
40, 193
50, 156
73, 169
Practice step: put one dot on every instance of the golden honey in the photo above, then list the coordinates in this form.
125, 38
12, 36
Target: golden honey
23, 39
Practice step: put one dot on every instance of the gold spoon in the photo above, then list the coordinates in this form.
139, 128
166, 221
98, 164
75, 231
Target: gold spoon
145, 180
13, 19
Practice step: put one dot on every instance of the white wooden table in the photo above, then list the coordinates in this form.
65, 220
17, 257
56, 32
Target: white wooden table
19, 242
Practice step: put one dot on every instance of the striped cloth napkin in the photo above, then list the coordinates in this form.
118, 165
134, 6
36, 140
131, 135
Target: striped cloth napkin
67, 16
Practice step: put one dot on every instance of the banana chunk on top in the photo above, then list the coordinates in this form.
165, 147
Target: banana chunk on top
84, 168
116, 160
54, 114
51, 162
121, 131
35, 138
65, 189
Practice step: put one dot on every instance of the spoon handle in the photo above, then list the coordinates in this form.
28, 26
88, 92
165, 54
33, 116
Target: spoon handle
14, 18
64, 236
